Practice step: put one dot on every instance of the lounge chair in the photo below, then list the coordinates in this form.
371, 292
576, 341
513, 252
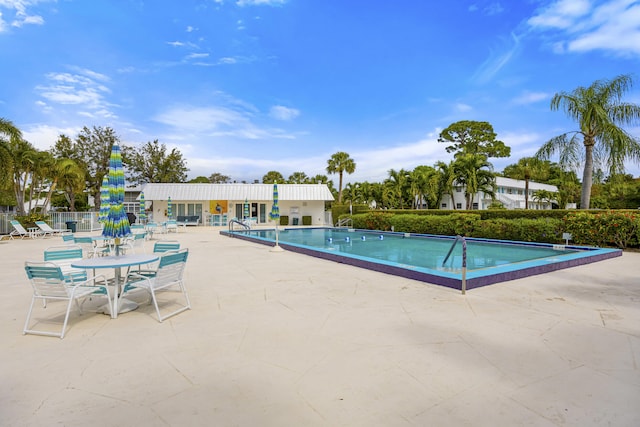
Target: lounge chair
19, 230
47, 230
49, 284
169, 274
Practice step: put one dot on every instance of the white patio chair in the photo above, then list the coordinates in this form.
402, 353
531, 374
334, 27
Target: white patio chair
63, 256
47, 230
49, 284
19, 230
168, 275
171, 226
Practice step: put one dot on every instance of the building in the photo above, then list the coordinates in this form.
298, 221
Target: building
509, 192
214, 204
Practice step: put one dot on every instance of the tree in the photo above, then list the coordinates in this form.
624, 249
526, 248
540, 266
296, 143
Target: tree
93, 150
473, 171
471, 137
152, 164
527, 169
68, 176
8, 132
398, 188
339, 163
199, 180
298, 178
424, 185
446, 177
272, 177
599, 113
218, 178
24, 157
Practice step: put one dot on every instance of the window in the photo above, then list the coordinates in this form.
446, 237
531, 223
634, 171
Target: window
519, 192
443, 206
475, 206
458, 205
458, 189
509, 191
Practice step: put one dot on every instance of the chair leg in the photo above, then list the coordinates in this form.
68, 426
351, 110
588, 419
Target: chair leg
26, 323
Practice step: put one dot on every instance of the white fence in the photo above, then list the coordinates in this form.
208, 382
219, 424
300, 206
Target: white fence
84, 221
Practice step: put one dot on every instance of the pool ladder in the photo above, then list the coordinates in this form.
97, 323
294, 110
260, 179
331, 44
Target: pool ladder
463, 287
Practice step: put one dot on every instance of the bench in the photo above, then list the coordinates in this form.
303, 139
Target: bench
185, 220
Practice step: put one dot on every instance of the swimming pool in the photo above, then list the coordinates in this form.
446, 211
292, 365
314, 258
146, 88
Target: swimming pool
422, 257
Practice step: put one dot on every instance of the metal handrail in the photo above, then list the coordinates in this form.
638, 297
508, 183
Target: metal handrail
235, 221
463, 287
344, 222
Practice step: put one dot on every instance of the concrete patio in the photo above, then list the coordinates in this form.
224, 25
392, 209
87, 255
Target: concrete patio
283, 339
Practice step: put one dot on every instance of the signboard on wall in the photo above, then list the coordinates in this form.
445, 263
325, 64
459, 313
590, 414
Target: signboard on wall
218, 206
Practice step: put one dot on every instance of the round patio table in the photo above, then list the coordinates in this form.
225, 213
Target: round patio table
117, 262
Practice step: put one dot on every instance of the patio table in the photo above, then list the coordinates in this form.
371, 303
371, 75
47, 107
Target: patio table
117, 262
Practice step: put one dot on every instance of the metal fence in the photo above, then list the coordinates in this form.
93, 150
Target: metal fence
84, 221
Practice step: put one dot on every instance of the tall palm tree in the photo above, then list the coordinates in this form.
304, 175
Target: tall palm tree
599, 112
473, 171
445, 182
399, 184
339, 163
527, 169
8, 131
424, 185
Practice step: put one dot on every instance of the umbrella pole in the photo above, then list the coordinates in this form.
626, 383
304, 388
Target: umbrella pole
276, 248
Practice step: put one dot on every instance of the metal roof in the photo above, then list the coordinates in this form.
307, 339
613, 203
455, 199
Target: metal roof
286, 192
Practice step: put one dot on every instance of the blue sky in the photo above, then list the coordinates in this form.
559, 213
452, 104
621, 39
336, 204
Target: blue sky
242, 87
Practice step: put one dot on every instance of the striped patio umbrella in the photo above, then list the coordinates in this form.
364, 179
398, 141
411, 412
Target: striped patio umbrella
246, 209
169, 214
104, 200
275, 215
142, 216
275, 210
117, 223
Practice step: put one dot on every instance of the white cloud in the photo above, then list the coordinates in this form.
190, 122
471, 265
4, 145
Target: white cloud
281, 112
463, 108
497, 61
21, 11
530, 98
217, 121
561, 14
613, 26
83, 88
43, 137
197, 55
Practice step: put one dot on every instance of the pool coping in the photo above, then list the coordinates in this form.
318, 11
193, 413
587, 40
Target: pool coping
474, 279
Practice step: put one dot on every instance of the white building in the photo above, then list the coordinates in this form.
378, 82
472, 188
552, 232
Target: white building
509, 192
215, 204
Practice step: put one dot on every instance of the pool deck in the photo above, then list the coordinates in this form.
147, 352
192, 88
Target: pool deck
284, 339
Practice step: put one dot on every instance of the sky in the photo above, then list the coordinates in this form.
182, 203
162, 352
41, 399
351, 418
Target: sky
244, 87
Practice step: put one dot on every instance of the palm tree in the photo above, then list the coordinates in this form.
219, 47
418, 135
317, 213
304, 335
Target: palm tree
339, 163
8, 131
445, 181
526, 169
298, 178
473, 171
599, 113
424, 185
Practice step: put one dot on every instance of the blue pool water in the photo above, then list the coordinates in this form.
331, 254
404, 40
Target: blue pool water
422, 256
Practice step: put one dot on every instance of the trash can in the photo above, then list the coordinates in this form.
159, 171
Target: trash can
71, 225
295, 221
131, 217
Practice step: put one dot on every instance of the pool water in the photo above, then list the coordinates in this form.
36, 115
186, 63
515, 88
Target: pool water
420, 251
422, 257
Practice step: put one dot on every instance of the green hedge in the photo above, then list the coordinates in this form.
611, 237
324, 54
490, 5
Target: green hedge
619, 228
